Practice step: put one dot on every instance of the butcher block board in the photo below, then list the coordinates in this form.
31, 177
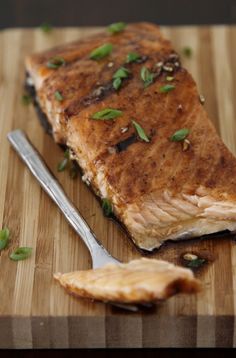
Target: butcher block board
34, 310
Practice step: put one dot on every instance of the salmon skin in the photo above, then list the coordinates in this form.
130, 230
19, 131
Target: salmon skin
138, 281
159, 162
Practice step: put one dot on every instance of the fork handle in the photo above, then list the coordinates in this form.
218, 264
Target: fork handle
48, 182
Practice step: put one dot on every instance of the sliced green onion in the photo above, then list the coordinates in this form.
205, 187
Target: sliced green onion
106, 207
107, 114
116, 27
73, 171
167, 88
140, 131
180, 135
46, 27
64, 163
146, 76
21, 253
132, 57
195, 263
26, 99
187, 51
4, 238
101, 52
122, 72
56, 62
117, 83
58, 96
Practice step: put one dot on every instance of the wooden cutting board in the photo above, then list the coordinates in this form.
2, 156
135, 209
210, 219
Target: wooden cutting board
34, 310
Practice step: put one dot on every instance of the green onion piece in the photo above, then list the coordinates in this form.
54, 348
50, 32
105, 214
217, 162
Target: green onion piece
140, 131
106, 207
4, 238
21, 253
73, 171
180, 135
122, 72
64, 163
67, 153
169, 78
68, 163
46, 27
26, 99
187, 51
132, 57
196, 263
107, 114
116, 27
167, 88
146, 76
56, 62
101, 52
58, 96
117, 83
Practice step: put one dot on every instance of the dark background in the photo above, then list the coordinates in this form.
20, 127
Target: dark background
18, 13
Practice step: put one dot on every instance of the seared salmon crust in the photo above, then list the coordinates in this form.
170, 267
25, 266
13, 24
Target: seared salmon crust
172, 178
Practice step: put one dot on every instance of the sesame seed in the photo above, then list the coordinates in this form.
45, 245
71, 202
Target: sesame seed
124, 129
202, 99
168, 68
159, 64
186, 144
190, 257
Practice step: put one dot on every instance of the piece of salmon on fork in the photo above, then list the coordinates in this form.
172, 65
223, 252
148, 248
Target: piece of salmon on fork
133, 119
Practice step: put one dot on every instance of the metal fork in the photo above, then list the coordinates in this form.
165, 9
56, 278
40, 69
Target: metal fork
38, 168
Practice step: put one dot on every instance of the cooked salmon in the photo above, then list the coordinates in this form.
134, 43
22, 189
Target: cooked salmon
139, 281
133, 119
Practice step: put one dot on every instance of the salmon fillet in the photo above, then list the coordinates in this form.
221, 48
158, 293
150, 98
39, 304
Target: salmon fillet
160, 188
139, 281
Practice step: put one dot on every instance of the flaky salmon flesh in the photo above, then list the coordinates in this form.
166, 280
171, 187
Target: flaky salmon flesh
139, 281
132, 118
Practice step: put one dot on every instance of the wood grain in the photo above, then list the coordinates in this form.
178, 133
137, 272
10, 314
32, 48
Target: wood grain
34, 310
